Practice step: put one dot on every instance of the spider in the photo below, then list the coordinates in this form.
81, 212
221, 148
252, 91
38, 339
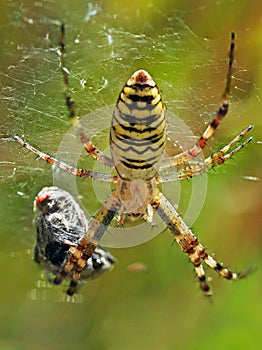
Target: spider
138, 136
60, 224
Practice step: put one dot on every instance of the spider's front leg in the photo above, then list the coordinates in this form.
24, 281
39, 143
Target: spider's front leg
189, 243
180, 160
90, 148
78, 256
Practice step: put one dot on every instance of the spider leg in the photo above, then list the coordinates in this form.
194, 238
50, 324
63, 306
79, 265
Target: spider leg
188, 242
91, 149
62, 165
181, 159
78, 255
212, 161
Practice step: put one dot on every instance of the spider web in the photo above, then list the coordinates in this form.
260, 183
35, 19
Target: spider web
101, 54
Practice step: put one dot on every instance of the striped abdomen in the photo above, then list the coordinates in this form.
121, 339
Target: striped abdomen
138, 129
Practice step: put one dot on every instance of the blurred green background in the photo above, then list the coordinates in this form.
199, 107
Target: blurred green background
183, 44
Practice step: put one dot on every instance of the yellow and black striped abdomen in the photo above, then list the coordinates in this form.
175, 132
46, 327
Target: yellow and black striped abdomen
138, 129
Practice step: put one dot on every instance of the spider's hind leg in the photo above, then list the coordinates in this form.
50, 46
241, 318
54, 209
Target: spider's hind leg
188, 242
78, 255
72, 288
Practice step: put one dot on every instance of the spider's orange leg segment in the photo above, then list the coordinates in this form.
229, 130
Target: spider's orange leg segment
91, 149
181, 159
86, 174
214, 160
189, 244
78, 256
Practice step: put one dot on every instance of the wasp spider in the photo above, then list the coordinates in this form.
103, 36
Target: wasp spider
138, 136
